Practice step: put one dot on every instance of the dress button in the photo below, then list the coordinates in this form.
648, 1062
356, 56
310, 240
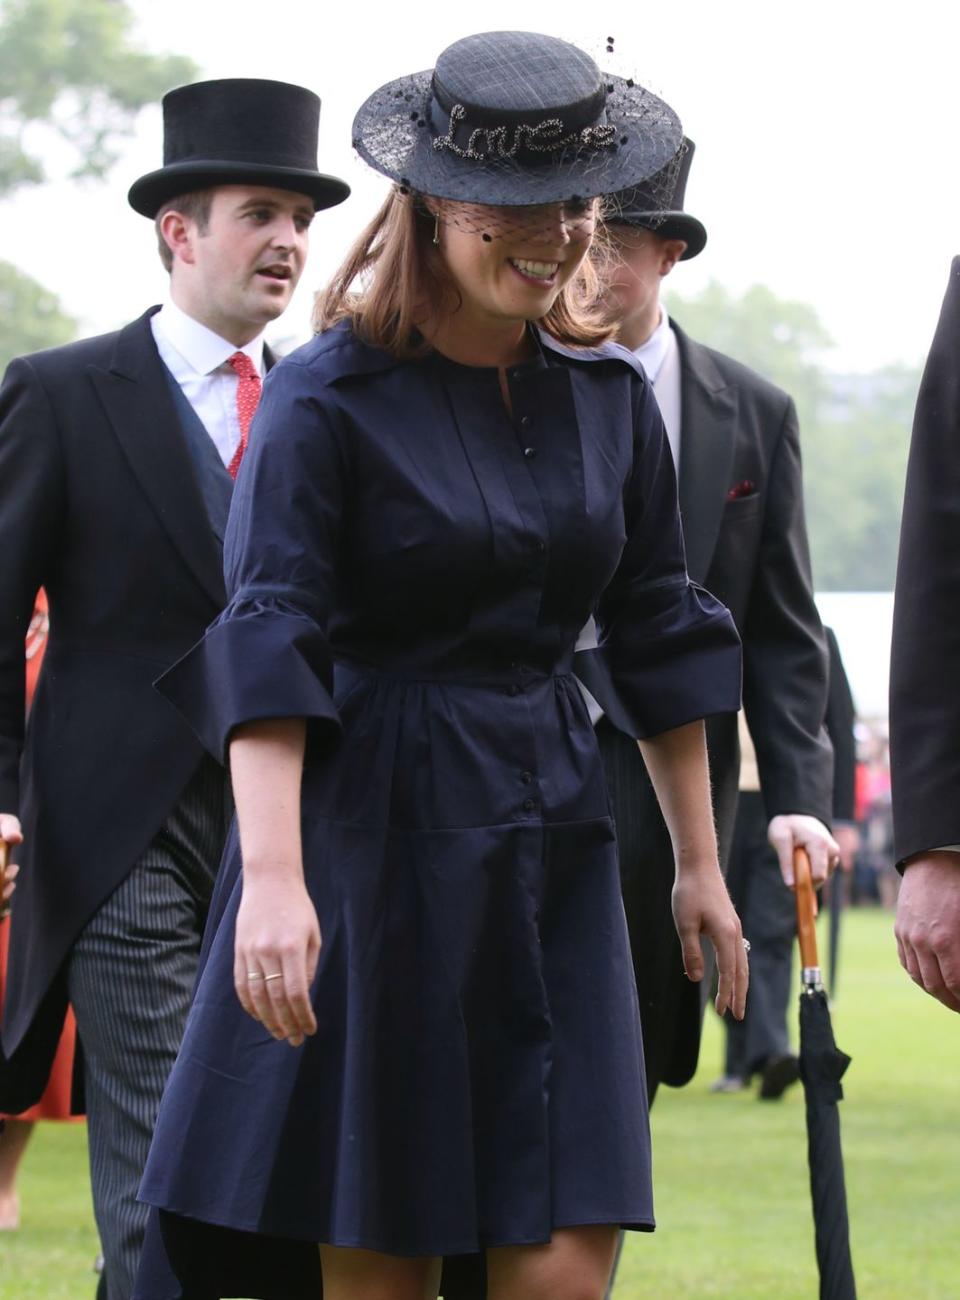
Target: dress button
529, 805
529, 452
526, 421
526, 777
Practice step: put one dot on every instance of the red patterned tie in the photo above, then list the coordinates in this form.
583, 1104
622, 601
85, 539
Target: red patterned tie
248, 397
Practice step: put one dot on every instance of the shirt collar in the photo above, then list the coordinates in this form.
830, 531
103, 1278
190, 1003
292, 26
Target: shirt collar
652, 354
199, 346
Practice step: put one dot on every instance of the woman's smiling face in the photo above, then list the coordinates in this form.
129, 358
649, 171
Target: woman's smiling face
511, 263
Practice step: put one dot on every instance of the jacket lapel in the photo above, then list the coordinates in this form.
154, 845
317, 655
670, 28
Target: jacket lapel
141, 412
708, 417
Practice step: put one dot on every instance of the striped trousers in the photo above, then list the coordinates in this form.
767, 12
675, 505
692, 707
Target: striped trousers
131, 978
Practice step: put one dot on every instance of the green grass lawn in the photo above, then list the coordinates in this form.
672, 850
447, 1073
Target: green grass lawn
732, 1196
730, 1172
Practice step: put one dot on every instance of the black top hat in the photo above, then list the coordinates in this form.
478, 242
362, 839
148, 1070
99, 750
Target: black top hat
512, 118
235, 132
659, 207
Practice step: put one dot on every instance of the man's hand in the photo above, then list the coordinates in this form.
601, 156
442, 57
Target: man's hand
10, 834
927, 928
790, 831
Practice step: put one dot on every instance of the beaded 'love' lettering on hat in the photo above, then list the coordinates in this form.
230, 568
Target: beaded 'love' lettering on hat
545, 137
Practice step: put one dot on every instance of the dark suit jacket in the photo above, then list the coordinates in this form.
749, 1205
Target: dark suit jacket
100, 505
840, 719
925, 660
738, 432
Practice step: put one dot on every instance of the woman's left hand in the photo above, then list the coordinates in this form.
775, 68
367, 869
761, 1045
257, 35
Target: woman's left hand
702, 906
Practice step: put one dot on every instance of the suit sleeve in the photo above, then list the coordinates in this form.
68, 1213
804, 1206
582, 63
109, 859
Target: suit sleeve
268, 655
840, 720
32, 501
785, 658
925, 658
668, 652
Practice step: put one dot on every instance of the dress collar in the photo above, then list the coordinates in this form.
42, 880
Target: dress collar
343, 355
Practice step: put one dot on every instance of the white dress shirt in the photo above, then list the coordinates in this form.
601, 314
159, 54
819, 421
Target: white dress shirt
197, 359
660, 358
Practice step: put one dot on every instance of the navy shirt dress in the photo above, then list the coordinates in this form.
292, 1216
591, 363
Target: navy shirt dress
409, 567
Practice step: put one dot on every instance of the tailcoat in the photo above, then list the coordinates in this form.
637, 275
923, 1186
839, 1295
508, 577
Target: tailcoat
925, 657
741, 500
408, 568
102, 507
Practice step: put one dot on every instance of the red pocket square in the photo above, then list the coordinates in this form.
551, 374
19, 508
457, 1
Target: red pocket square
745, 488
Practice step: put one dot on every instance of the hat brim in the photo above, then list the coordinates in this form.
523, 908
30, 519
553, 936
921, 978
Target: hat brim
668, 225
148, 194
391, 132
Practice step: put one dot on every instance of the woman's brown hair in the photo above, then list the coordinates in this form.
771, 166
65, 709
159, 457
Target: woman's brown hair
394, 274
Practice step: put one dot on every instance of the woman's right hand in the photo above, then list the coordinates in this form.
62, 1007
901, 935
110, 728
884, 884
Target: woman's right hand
276, 953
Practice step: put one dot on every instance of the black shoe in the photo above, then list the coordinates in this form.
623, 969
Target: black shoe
778, 1073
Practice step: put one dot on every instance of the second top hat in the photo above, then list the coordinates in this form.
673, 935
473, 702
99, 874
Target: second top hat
238, 131
657, 205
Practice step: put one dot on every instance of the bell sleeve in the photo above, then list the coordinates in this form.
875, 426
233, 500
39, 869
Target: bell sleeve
267, 655
667, 651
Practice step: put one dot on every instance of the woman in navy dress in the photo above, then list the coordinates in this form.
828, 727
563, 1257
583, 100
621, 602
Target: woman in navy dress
416, 1031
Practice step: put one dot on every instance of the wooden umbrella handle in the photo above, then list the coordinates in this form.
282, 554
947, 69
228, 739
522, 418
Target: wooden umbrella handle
4, 859
806, 910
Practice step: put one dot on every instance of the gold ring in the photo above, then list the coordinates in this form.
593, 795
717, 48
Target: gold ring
278, 975
254, 975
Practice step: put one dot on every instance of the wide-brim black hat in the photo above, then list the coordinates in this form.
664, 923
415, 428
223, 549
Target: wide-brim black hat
511, 118
238, 131
658, 205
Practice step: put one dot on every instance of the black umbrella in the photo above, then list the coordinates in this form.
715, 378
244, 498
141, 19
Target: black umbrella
822, 1066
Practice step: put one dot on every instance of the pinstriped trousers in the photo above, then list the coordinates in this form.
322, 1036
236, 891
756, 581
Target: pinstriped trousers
131, 978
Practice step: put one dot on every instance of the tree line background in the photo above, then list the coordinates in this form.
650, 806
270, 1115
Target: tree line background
71, 70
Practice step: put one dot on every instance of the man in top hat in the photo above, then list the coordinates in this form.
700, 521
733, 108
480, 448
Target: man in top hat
117, 459
924, 670
735, 442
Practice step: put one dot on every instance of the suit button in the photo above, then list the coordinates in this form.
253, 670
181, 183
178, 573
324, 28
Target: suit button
529, 805
526, 777
530, 452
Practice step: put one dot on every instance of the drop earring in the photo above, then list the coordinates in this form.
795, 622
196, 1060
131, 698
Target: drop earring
436, 228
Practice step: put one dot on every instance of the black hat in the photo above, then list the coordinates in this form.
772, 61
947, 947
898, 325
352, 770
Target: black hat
659, 207
234, 132
511, 118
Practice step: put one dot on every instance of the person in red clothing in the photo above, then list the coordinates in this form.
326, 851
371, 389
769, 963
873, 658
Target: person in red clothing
55, 1102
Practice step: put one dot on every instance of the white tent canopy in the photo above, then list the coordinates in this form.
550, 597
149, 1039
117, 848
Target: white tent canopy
862, 621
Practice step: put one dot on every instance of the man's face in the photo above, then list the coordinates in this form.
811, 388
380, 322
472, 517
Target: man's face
632, 270
239, 273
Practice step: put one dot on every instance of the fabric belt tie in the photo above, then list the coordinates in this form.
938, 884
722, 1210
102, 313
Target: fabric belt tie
248, 398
